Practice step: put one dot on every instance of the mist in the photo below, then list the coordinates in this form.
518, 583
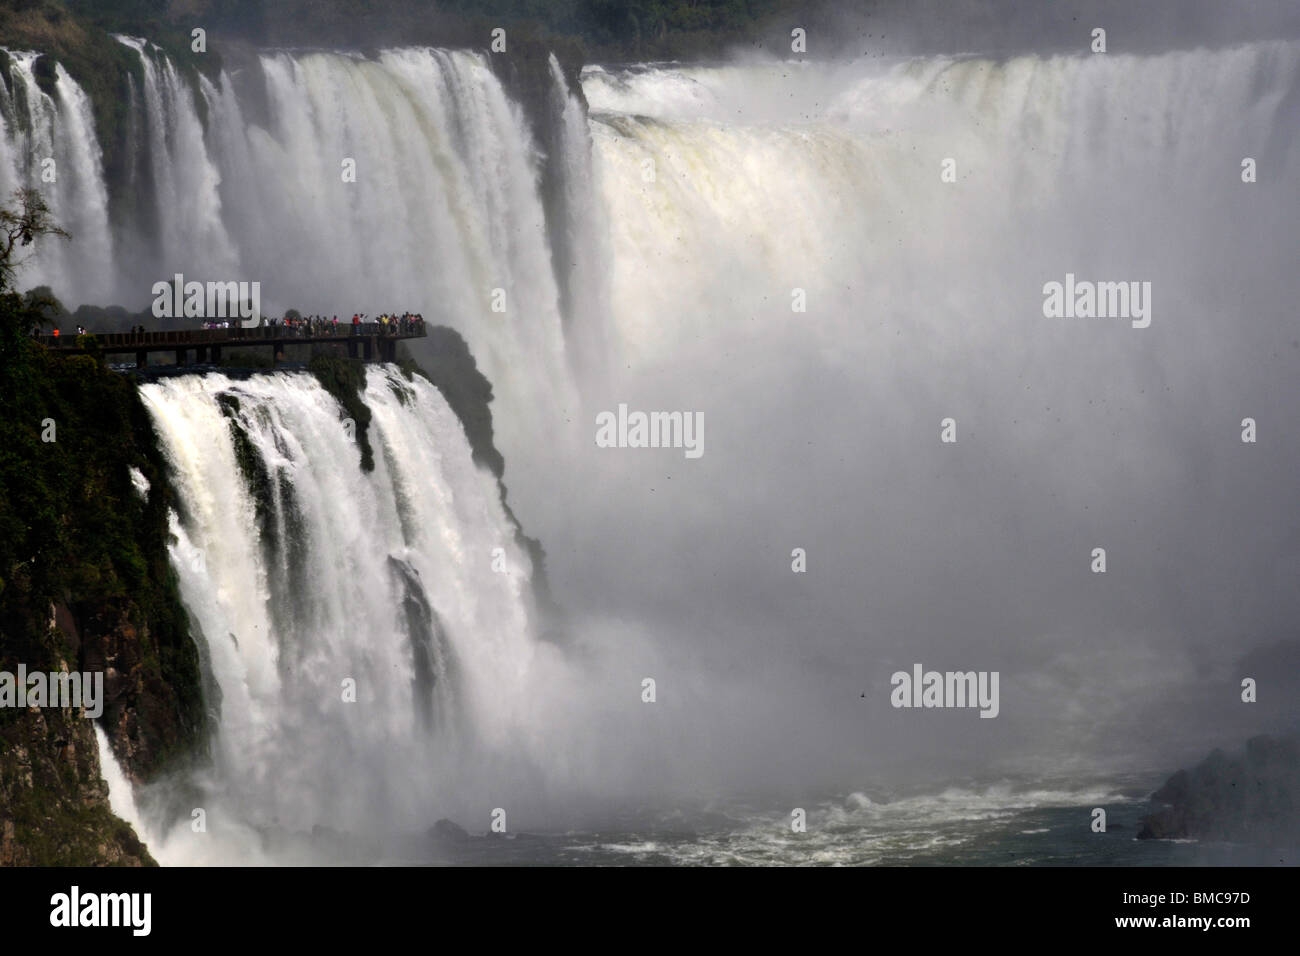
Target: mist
1008, 27
925, 301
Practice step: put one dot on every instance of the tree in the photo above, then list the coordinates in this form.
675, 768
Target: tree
21, 227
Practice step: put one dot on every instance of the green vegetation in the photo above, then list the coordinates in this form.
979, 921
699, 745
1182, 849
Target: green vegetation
605, 29
345, 379
53, 806
84, 579
634, 28
247, 358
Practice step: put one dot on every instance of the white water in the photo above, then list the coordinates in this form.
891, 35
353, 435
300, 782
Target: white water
924, 300
191, 228
770, 176
285, 626
827, 177
444, 209
34, 129
121, 795
586, 258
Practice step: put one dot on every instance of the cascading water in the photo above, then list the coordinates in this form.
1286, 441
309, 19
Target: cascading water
190, 233
583, 258
50, 144
826, 177
359, 627
410, 181
404, 182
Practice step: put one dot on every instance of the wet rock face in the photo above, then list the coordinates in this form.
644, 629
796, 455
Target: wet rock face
54, 807
87, 587
143, 715
1251, 798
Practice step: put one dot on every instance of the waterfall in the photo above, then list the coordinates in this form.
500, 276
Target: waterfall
825, 260
408, 181
362, 628
190, 234
36, 129
445, 210
583, 257
827, 176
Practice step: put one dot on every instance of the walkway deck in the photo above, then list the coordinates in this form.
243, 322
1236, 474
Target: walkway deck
369, 341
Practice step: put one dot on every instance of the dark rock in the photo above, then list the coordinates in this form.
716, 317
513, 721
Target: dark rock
1252, 798
445, 359
444, 831
87, 586
54, 808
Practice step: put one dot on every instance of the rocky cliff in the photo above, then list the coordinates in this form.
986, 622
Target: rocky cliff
1250, 798
86, 585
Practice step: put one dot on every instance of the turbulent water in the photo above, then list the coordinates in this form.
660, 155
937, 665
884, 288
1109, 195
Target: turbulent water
698, 207
52, 145
359, 628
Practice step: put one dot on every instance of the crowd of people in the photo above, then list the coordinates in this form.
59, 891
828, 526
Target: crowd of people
306, 326
309, 326
54, 331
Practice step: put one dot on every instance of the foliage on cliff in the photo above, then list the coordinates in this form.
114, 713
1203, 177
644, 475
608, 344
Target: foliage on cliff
74, 531
54, 807
85, 582
345, 379
618, 29
635, 28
